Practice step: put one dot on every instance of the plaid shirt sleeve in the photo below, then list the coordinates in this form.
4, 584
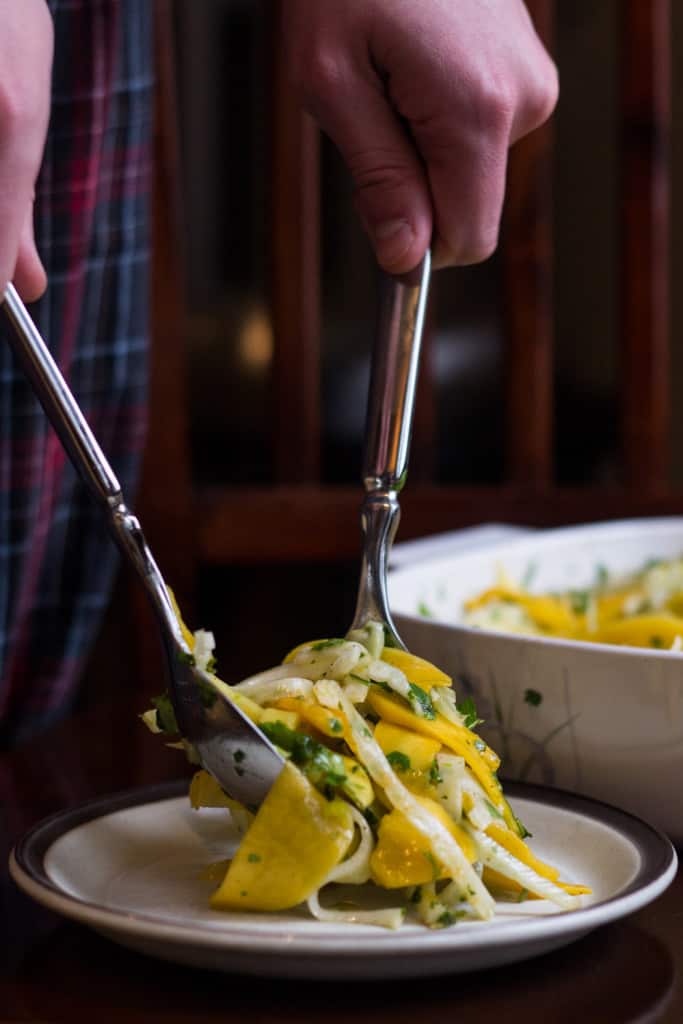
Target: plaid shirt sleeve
92, 230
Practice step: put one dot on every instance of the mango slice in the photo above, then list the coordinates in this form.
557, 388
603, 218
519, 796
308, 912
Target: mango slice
417, 670
419, 750
403, 854
295, 840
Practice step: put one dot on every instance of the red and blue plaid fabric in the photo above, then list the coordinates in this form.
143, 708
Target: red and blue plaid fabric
92, 231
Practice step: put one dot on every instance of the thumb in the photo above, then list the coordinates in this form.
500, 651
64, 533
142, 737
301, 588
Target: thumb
30, 278
391, 191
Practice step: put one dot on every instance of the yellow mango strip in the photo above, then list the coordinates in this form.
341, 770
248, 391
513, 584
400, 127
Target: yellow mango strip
420, 750
551, 614
289, 718
357, 785
501, 885
329, 723
205, 792
459, 739
295, 840
248, 706
188, 636
519, 849
307, 644
450, 734
611, 606
403, 854
417, 670
653, 631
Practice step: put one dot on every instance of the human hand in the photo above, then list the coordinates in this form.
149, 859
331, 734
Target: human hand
423, 99
25, 74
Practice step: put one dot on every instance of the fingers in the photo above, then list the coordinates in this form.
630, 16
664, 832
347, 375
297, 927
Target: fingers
391, 188
29, 278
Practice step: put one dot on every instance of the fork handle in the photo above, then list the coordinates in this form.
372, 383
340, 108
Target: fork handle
393, 379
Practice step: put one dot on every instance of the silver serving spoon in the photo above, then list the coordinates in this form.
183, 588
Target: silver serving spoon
391, 401
229, 745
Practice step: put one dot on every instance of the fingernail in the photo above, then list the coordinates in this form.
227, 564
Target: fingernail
392, 240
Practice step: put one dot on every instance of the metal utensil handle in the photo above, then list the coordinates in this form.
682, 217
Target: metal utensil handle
59, 404
393, 379
81, 446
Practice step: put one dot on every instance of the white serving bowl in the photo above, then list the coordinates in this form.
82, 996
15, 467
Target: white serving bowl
610, 720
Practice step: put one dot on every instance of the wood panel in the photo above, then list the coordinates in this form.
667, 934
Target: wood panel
528, 294
289, 524
645, 209
166, 494
294, 172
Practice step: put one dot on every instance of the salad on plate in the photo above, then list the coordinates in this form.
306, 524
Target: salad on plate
389, 805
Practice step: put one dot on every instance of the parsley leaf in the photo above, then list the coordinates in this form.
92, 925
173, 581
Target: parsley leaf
533, 698
399, 760
467, 708
420, 701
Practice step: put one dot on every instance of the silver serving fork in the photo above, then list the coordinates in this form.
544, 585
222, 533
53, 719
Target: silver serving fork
391, 402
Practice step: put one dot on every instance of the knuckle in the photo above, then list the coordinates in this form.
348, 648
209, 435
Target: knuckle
319, 77
546, 92
494, 105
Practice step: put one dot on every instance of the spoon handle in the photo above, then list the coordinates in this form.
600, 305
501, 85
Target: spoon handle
391, 401
83, 449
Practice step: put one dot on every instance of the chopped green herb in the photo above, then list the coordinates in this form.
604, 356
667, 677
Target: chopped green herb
238, 756
492, 809
322, 645
435, 776
166, 719
601, 577
210, 664
523, 831
254, 858
399, 761
529, 573
185, 657
370, 817
389, 639
207, 694
449, 918
533, 698
468, 709
429, 856
335, 725
656, 641
244, 893
479, 745
524, 895
420, 701
324, 768
424, 610
578, 600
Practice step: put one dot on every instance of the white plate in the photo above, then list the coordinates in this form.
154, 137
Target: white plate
127, 866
